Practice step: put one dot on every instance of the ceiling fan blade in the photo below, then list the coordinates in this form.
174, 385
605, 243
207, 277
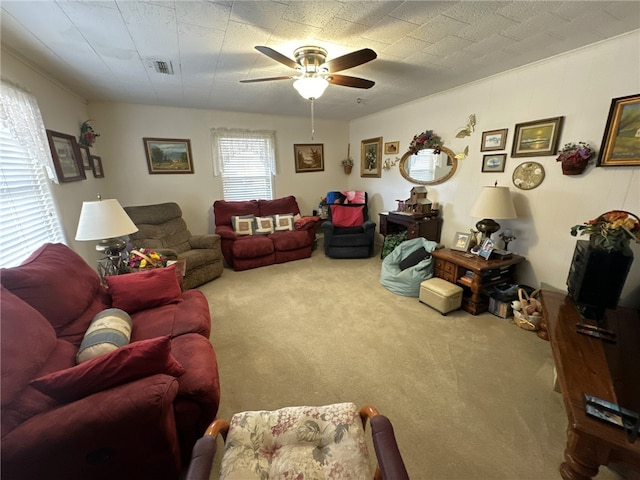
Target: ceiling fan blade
347, 81
350, 60
267, 79
277, 56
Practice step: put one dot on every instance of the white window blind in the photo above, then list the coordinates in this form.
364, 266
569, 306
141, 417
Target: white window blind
28, 217
245, 160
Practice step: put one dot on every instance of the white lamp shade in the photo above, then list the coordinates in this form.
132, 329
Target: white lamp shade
102, 220
494, 202
311, 87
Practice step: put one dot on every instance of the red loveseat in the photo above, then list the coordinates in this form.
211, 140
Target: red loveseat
242, 252
134, 413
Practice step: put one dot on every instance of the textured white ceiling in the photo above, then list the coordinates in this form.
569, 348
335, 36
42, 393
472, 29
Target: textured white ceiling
102, 49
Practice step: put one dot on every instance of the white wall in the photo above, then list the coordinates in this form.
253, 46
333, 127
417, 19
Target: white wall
578, 86
123, 126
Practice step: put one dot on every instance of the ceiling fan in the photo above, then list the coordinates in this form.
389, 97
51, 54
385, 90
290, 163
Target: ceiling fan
315, 73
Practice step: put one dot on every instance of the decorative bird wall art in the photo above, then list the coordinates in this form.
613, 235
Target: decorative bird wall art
470, 128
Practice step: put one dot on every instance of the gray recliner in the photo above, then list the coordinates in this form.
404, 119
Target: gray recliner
161, 227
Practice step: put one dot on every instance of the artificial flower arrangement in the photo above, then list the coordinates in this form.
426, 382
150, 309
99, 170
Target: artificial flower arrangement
611, 231
426, 139
145, 257
87, 135
575, 153
347, 162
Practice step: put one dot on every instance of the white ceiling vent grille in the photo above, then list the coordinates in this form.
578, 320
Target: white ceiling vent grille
161, 66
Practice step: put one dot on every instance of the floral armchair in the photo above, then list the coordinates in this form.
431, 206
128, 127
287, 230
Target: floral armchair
300, 442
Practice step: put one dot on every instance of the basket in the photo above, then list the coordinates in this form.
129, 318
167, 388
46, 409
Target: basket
528, 321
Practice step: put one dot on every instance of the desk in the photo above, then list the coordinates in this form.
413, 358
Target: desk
453, 266
428, 228
610, 372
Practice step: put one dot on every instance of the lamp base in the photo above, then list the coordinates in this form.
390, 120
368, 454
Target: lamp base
111, 246
487, 227
112, 263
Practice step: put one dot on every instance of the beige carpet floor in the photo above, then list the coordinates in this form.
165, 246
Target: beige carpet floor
470, 397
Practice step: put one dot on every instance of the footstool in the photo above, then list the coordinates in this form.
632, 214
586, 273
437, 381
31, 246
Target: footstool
442, 295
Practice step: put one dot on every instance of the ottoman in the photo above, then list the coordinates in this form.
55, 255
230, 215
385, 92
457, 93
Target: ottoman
442, 295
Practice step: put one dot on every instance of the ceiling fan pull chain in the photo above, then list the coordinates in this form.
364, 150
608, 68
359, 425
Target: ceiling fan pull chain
313, 128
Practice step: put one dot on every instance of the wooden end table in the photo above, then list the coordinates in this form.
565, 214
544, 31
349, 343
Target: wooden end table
453, 266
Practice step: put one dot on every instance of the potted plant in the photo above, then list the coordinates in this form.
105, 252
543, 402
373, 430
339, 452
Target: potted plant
612, 231
347, 164
575, 157
426, 139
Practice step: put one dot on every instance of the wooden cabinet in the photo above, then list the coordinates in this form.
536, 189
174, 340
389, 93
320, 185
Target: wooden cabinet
475, 274
428, 228
606, 370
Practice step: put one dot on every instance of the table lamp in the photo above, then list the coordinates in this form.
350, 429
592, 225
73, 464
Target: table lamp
493, 202
106, 221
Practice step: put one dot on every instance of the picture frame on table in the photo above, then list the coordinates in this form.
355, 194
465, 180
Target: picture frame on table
168, 155
67, 160
391, 148
85, 154
494, 140
96, 165
461, 241
308, 157
537, 138
621, 140
486, 248
494, 162
371, 157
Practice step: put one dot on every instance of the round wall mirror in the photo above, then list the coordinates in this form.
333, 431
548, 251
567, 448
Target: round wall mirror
427, 168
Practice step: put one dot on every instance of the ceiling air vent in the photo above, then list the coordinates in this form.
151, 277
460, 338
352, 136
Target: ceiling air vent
161, 66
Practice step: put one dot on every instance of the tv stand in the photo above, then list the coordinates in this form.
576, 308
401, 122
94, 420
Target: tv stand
610, 371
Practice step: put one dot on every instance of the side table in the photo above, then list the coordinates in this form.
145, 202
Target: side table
474, 274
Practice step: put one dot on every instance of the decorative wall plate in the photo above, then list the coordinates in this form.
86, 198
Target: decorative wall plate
528, 175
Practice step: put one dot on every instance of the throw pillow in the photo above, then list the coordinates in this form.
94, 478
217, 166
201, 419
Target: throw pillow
264, 225
342, 216
284, 222
109, 330
145, 289
243, 224
131, 362
353, 196
414, 258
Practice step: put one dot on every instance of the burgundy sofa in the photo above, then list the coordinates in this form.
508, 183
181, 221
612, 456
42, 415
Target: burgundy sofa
252, 251
100, 426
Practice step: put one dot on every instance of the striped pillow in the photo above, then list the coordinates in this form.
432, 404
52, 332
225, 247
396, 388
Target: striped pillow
109, 330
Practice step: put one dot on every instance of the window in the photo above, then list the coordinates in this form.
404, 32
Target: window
28, 217
245, 160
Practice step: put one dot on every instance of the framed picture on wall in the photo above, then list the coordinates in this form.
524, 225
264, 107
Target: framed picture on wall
86, 157
167, 155
537, 138
66, 157
494, 140
96, 164
621, 141
309, 157
371, 157
494, 162
391, 148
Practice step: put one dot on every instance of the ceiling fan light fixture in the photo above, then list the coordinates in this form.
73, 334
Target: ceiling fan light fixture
311, 88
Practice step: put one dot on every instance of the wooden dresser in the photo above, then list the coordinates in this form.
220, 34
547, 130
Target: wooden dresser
474, 274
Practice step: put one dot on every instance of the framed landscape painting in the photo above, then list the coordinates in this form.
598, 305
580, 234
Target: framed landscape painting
371, 157
621, 141
309, 157
494, 162
66, 157
165, 155
537, 138
494, 140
